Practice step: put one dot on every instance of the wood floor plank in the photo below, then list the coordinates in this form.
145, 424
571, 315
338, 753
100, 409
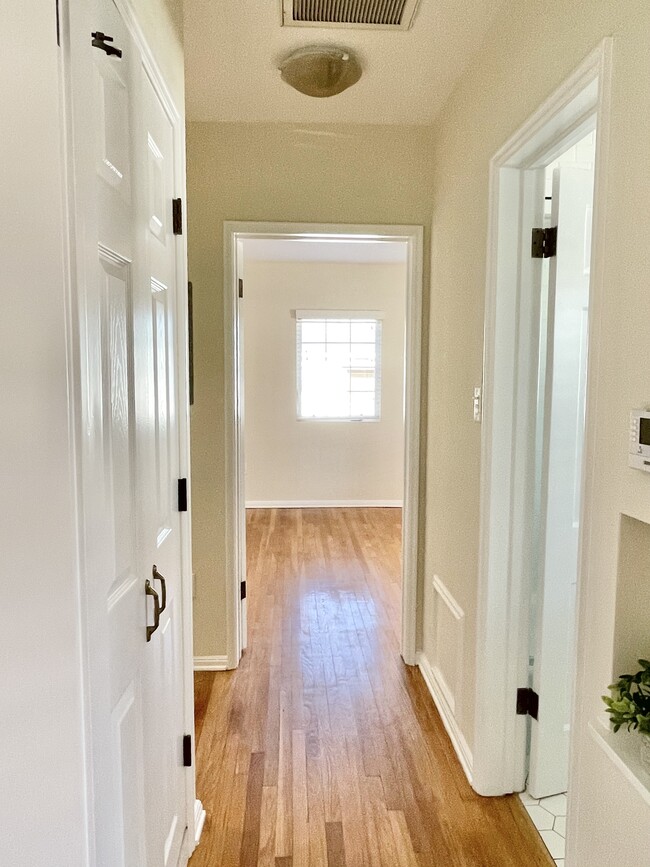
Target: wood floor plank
335, 845
203, 683
299, 804
323, 749
251, 835
268, 810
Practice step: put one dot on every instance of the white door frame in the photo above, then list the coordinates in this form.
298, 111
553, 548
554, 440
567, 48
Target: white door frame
509, 385
76, 25
235, 495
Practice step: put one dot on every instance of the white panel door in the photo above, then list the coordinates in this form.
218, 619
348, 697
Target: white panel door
159, 450
131, 457
117, 592
564, 408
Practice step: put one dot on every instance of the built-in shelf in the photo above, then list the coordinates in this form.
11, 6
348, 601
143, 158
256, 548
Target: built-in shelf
623, 749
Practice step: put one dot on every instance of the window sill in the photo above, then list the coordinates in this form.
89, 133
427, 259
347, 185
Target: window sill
344, 420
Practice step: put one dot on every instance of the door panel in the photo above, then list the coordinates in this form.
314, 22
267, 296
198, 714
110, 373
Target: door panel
561, 477
160, 315
126, 729
118, 410
113, 126
165, 775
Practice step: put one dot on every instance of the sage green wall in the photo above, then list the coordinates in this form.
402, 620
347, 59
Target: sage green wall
531, 49
273, 172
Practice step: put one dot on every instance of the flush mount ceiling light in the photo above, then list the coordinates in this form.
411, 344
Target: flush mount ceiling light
321, 70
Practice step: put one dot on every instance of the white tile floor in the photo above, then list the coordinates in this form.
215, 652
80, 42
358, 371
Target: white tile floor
549, 817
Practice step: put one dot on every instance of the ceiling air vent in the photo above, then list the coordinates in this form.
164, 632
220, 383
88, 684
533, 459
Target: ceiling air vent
372, 14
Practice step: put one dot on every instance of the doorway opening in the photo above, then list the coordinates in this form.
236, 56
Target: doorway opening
323, 362
541, 322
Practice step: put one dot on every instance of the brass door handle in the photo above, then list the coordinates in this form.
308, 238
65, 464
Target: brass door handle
158, 577
149, 591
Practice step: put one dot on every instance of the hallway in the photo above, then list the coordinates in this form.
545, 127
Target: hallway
323, 748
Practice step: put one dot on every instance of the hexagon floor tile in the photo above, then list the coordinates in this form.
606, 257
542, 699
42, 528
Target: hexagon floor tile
549, 817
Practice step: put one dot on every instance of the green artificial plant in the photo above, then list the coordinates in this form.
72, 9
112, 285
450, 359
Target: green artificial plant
629, 702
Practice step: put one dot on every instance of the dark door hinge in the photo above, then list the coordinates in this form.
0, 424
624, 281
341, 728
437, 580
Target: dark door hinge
243, 590
544, 243
527, 702
101, 40
187, 751
177, 216
241, 287
182, 495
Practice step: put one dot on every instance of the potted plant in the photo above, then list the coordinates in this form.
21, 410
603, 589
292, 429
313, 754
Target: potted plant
629, 706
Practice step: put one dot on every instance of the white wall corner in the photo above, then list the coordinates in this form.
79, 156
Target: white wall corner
210, 663
438, 694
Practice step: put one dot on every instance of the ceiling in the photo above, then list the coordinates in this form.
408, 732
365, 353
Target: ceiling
310, 250
233, 48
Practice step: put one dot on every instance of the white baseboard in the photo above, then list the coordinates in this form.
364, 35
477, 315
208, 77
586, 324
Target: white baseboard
323, 504
452, 728
210, 663
199, 821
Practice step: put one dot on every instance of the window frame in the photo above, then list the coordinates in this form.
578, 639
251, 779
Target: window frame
374, 316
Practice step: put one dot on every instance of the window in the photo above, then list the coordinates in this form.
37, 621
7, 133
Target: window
338, 364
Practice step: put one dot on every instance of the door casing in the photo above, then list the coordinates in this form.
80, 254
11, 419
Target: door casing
510, 352
234, 233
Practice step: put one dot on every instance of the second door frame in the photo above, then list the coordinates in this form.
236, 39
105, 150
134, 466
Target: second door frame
503, 612
235, 512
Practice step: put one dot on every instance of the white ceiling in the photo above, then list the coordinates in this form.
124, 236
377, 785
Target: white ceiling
233, 47
309, 250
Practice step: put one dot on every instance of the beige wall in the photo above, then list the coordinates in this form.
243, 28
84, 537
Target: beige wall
162, 24
294, 461
363, 174
531, 49
277, 172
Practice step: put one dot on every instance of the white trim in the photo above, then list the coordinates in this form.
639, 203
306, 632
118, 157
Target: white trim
457, 738
199, 821
443, 591
452, 606
339, 314
234, 233
502, 622
323, 504
596, 305
211, 663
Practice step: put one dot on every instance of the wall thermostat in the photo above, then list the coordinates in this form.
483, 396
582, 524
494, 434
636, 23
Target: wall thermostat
639, 456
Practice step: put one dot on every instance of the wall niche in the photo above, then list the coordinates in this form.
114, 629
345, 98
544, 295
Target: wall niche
632, 626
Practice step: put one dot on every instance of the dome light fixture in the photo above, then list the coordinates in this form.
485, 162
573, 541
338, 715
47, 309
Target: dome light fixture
321, 70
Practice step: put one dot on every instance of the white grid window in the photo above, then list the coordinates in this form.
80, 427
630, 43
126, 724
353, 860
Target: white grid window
338, 365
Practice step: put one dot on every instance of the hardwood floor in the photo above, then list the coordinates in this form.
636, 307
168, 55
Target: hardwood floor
323, 748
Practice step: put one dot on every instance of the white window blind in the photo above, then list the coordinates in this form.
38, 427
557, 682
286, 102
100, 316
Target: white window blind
338, 364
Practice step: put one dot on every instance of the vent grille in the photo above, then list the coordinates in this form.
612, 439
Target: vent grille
376, 14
